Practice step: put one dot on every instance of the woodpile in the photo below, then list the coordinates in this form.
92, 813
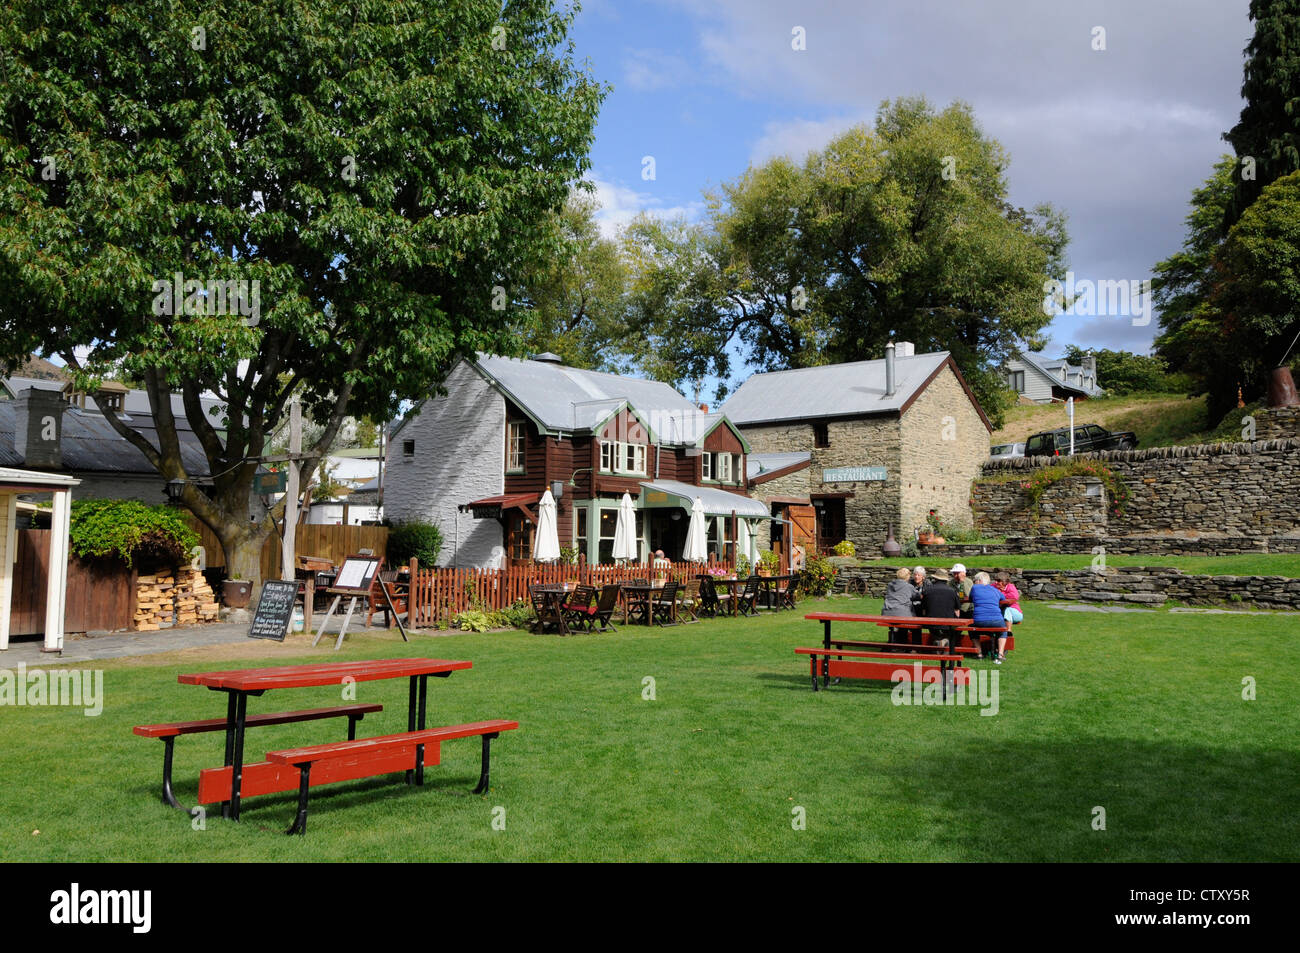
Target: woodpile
177, 597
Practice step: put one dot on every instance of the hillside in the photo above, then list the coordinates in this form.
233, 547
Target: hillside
1159, 420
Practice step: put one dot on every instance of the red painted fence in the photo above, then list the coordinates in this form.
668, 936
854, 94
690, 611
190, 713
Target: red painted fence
439, 594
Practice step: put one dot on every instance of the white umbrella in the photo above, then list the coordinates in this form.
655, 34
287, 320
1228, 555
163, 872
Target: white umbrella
546, 544
625, 541
697, 544
743, 539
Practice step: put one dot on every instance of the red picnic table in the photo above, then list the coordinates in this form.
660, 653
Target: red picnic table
236, 780
852, 662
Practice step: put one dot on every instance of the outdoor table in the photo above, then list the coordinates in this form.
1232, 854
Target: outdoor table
553, 595
768, 585
642, 592
241, 683
731, 582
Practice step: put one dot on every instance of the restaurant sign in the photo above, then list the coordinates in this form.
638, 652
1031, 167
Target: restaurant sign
268, 482
486, 511
853, 474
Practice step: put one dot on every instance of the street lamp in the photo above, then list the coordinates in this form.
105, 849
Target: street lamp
174, 489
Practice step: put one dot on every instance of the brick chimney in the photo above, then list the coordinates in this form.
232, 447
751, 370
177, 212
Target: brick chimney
704, 408
38, 428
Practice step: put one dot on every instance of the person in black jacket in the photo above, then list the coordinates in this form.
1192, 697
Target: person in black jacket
940, 601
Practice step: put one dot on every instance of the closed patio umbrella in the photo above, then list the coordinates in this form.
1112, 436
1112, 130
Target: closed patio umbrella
625, 541
697, 544
546, 542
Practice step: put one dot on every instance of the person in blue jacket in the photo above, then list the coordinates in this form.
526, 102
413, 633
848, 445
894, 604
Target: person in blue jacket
987, 611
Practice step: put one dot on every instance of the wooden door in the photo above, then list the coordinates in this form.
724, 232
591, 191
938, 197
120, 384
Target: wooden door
803, 527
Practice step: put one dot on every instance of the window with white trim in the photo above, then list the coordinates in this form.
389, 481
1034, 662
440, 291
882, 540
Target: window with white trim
618, 457
606, 456
515, 442
724, 468
706, 466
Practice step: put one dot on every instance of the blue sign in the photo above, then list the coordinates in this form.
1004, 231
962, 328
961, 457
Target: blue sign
853, 474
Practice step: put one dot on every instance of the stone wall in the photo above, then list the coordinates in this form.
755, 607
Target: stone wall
1241, 489
1075, 505
944, 445
1138, 585
867, 442
1168, 545
1277, 423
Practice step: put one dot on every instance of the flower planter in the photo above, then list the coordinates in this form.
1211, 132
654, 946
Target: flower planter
236, 593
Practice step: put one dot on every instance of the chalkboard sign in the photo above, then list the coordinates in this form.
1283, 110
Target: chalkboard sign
274, 610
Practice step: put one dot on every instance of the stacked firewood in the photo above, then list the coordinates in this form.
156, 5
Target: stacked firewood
177, 597
155, 601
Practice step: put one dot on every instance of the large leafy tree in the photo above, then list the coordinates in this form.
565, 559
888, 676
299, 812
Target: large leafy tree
386, 170
903, 229
1268, 132
576, 300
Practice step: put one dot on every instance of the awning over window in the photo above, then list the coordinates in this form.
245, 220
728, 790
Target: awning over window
671, 493
492, 507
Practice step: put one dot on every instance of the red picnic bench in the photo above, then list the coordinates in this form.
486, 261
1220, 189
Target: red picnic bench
850, 658
291, 769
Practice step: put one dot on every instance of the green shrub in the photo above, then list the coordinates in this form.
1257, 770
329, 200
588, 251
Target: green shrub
472, 620
951, 533
817, 577
130, 530
743, 567
845, 548
414, 540
517, 616
769, 560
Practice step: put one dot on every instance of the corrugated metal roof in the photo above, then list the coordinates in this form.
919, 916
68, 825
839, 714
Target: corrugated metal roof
759, 463
716, 502
91, 444
568, 399
832, 390
134, 402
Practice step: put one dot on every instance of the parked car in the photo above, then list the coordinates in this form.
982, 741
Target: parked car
1006, 451
1087, 438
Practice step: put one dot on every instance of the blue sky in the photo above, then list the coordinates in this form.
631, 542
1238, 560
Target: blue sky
1115, 137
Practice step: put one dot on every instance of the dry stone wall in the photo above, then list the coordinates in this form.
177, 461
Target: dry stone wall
1241, 490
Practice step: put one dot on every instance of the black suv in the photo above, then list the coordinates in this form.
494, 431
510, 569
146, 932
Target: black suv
1087, 438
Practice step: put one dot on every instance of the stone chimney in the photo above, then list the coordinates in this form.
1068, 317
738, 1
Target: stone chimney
889, 369
38, 428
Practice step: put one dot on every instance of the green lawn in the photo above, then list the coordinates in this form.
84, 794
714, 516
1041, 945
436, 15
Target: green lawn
1250, 564
1140, 714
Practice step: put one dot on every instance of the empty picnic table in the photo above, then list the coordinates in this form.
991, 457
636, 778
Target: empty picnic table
646, 598
237, 780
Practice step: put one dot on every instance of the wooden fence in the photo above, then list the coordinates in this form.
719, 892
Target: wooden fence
100, 594
437, 595
312, 539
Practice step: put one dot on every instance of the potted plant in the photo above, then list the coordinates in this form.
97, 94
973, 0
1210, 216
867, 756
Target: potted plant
768, 562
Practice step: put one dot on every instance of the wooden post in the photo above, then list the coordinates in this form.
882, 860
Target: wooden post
287, 561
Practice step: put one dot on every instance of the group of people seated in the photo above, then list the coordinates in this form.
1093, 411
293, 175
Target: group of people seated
988, 602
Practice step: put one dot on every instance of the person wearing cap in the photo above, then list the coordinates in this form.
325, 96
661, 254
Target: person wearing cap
962, 583
940, 601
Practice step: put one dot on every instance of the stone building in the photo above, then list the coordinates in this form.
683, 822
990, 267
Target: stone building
844, 451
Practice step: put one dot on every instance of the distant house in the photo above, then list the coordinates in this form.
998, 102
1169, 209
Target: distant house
1036, 378
477, 460
48, 426
845, 451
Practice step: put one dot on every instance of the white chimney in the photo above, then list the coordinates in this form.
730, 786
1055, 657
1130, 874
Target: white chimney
905, 349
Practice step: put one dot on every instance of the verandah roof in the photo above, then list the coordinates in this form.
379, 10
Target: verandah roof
670, 493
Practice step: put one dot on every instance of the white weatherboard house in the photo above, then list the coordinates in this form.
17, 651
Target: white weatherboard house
1042, 380
477, 460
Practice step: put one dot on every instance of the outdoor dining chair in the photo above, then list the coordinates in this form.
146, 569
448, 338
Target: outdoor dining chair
689, 600
578, 610
747, 601
604, 610
710, 602
665, 606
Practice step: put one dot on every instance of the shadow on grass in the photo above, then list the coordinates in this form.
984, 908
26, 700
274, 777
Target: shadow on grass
803, 683
1034, 801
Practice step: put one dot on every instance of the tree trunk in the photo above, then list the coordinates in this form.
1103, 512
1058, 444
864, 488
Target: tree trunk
242, 544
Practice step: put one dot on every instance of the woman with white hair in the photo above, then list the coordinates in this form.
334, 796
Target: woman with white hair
986, 601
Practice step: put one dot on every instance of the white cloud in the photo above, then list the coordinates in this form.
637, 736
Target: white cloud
795, 138
650, 70
619, 204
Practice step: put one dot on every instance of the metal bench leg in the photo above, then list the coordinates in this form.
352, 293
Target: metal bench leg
167, 796
483, 776
304, 781
352, 726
